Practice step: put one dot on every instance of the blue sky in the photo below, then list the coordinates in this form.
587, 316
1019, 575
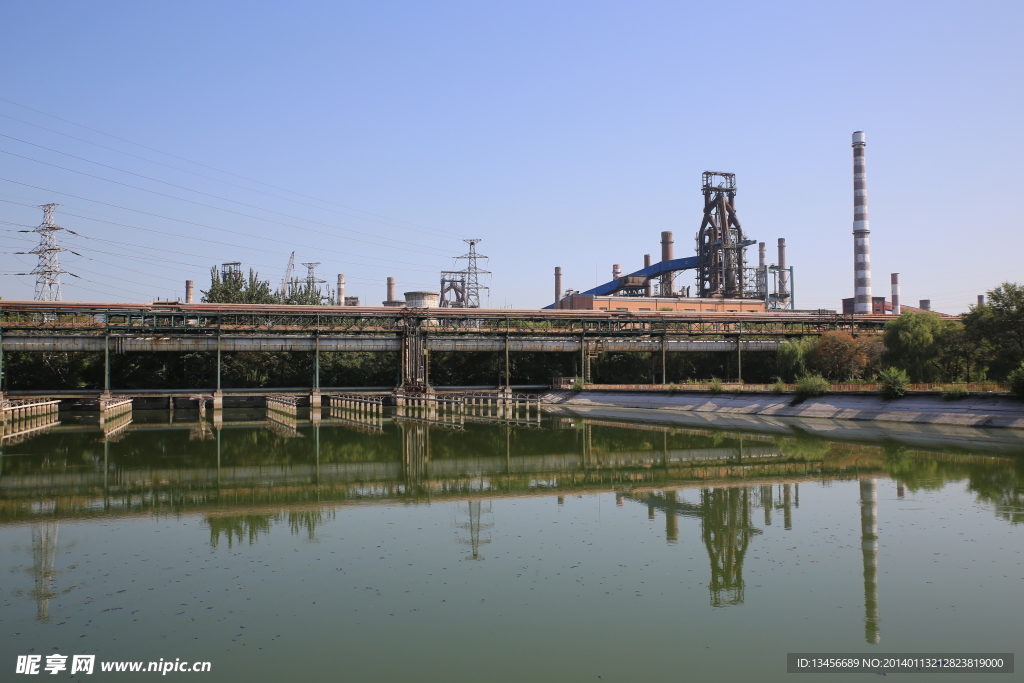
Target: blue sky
371, 137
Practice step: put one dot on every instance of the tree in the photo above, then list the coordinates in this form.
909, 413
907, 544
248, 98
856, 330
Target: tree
916, 342
998, 327
793, 357
238, 290
838, 356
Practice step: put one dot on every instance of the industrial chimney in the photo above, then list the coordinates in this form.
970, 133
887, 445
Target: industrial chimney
783, 272
761, 256
666, 255
391, 289
616, 271
558, 284
189, 291
895, 279
649, 285
861, 229
341, 289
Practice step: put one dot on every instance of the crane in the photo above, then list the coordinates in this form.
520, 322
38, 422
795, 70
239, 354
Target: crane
287, 276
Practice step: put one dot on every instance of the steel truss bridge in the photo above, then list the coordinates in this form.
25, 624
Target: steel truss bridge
27, 326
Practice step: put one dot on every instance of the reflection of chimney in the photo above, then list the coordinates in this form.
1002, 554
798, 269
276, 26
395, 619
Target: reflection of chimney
767, 500
666, 255
869, 553
787, 506
558, 284
189, 291
895, 280
671, 521
649, 285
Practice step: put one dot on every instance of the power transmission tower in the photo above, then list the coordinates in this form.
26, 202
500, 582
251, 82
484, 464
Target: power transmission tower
47, 271
473, 273
312, 281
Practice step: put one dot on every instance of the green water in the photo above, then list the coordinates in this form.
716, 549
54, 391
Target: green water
598, 545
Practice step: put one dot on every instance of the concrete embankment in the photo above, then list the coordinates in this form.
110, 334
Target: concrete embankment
973, 411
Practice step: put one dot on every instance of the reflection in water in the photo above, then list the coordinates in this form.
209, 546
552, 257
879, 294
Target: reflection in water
869, 550
246, 477
480, 520
726, 530
44, 553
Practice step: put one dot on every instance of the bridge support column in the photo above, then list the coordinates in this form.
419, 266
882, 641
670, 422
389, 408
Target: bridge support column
106, 365
414, 358
314, 396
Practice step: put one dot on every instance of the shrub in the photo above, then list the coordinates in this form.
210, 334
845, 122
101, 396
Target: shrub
779, 387
673, 388
577, 384
1016, 380
716, 385
955, 393
894, 382
810, 385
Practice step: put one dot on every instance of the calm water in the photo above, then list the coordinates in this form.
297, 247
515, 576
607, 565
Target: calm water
582, 547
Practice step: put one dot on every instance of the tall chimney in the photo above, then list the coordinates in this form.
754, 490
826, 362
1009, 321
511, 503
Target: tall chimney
861, 230
761, 258
558, 284
925, 304
189, 291
666, 255
783, 273
649, 285
391, 289
981, 299
616, 271
895, 279
341, 289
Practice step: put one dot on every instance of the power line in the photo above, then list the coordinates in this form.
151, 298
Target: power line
212, 168
211, 206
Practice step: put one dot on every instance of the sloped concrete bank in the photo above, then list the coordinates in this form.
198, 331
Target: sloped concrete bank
974, 411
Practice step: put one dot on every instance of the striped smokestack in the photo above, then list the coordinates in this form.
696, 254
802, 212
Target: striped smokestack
861, 230
895, 280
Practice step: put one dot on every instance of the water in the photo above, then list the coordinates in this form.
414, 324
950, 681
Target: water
588, 546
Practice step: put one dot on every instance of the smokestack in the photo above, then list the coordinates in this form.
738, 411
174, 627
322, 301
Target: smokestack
649, 285
761, 259
895, 279
925, 304
189, 291
666, 255
981, 299
391, 289
558, 284
616, 271
861, 229
783, 273
341, 289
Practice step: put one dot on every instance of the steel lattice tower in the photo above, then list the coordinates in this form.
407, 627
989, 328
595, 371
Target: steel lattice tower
47, 271
473, 274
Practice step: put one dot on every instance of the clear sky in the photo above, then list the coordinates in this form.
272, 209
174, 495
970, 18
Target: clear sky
372, 136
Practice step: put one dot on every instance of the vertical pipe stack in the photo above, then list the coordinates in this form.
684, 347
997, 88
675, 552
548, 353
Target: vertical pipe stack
895, 279
925, 304
558, 284
861, 229
391, 289
783, 273
341, 289
981, 299
761, 256
666, 255
189, 291
649, 285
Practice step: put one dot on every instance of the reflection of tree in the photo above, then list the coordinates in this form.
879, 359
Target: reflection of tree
726, 530
236, 528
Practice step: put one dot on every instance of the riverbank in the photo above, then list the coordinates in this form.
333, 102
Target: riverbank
973, 411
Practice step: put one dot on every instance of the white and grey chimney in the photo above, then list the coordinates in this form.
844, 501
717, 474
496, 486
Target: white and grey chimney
861, 229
